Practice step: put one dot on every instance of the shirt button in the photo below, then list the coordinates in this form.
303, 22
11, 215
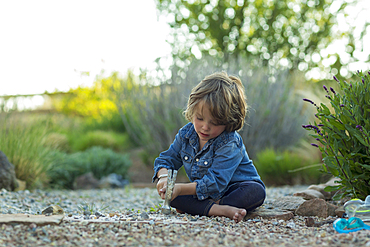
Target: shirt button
186, 158
205, 162
196, 159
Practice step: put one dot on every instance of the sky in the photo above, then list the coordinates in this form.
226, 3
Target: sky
46, 45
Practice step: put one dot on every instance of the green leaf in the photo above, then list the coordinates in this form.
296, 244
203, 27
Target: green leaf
335, 145
338, 125
325, 109
332, 188
367, 167
360, 138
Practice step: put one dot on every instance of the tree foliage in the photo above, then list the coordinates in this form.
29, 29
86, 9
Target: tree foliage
280, 33
95, 104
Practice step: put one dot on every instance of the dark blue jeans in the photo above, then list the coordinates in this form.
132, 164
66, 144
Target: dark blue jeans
248, 195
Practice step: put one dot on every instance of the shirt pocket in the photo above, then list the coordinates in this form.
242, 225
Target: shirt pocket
203, 165
186, 159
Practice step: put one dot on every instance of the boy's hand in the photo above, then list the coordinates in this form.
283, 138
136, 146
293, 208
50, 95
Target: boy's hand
176, 191
161, 187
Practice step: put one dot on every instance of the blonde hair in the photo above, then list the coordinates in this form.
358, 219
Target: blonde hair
224, 95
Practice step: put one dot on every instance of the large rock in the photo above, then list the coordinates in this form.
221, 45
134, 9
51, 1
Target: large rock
8, 180
318, 191
316, 207
86, 181
113, 180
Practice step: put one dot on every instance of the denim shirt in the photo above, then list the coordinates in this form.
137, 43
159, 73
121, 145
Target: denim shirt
222, 161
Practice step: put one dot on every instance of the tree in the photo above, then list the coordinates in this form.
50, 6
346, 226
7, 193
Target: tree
95, 104
278, 33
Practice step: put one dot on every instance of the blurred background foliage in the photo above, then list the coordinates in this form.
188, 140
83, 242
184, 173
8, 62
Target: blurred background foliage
289, 34
273, 46
99, 110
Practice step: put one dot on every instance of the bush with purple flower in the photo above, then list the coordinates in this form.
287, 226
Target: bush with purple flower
343, 138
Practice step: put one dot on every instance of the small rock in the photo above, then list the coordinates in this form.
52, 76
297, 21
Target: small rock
53, 210
291, 225
98, 214
144, 215
87, 213
47, 240
309, 222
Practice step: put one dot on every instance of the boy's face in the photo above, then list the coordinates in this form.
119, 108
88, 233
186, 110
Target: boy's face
204, 124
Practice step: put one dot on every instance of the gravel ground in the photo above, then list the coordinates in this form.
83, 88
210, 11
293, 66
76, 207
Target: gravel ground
130, 217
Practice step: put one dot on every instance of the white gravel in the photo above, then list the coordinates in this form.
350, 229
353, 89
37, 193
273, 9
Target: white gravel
130, 217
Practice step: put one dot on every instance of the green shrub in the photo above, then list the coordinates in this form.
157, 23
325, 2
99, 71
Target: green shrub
23, 142
80, 141
112, 122
285, 168
343, 136
101, 162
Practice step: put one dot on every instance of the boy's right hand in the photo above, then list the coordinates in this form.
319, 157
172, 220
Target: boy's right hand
161, 187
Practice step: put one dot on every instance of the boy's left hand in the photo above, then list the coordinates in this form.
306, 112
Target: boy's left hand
161, 187
175, 192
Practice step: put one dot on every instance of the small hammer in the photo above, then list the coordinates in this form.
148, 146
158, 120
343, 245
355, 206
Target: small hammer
166, 208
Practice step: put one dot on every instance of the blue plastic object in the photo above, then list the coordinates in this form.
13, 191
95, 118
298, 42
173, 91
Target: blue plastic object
353, 224
358, 208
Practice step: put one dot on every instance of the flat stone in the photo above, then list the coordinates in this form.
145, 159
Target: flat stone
270, 214
290, 203
309, 194
29, 219
321, 188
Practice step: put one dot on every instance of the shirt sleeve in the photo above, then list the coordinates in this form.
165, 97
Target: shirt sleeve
226, 160
170, 159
